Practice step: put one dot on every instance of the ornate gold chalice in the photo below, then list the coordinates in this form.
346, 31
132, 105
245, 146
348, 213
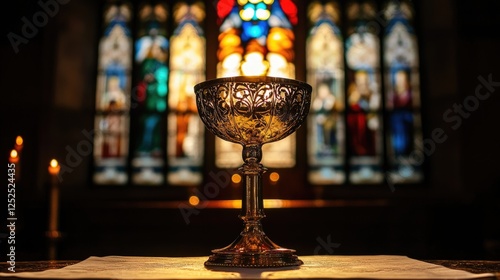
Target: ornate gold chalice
252, 111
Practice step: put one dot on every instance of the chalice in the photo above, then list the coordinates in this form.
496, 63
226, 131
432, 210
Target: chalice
252, 111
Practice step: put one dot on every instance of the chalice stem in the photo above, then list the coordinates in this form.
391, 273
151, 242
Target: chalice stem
252, 209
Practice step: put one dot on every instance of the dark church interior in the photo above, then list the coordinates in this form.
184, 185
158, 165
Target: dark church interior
49, 98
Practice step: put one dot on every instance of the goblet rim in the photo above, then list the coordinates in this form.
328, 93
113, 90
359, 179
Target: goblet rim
252, 79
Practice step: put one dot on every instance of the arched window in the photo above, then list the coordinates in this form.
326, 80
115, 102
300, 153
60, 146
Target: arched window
402, 99
111, 142
325, 73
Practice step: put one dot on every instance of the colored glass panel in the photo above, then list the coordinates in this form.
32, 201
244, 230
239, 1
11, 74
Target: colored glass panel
151, 53
363, 113
325, 72
187, 65
402, 101
112, 97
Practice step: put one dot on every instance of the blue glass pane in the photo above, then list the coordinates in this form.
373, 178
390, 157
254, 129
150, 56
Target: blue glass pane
402, 94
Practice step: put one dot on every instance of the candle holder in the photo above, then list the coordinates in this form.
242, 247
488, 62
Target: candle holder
53, 234
252, 111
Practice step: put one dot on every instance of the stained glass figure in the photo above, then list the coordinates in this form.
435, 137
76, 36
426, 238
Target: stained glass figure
325, 72
256, 39
363, 116
150, 95
402, 95
112, 97
187, 68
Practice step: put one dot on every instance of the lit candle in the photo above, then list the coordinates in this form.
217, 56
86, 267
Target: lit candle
14, 157
19, 144
54, 169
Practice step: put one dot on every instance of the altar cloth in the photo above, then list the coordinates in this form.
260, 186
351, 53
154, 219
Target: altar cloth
314, 267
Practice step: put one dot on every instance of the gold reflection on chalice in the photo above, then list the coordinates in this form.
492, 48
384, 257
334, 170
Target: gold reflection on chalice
252, 111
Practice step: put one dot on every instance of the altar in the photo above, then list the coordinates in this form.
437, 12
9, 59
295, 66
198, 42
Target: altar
315, 267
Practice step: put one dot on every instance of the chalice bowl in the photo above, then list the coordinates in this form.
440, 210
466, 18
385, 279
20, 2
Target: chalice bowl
252, 111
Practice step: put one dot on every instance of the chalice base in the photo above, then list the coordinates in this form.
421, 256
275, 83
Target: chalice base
253, 251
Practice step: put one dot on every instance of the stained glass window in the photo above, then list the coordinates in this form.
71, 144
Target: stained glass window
187, 68
166, 136
325, 73
113, 97
402, 92
256, 39
151, 53
364, 120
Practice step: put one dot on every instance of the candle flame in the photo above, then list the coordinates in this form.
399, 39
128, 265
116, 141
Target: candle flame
13, 154
19, 140
54, 163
